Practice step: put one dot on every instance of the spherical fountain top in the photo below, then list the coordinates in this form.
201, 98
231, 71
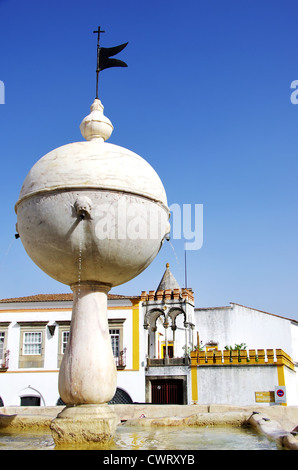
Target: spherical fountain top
94, 164
95, 200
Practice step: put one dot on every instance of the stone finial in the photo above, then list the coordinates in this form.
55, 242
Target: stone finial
96, 126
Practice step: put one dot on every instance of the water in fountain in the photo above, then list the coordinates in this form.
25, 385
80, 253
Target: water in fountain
139, 438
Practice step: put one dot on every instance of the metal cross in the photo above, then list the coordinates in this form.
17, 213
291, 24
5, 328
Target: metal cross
98, 31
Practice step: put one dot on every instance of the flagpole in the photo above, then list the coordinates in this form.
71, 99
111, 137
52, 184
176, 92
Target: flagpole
98, 31
185, 267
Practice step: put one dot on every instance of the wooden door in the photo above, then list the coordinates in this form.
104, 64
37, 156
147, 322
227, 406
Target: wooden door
167, 391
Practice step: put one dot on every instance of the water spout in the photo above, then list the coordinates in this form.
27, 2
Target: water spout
83, 207
17, 232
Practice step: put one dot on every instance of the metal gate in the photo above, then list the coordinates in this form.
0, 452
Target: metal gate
167, 391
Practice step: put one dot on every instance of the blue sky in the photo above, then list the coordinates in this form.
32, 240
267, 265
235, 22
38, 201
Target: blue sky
205, 100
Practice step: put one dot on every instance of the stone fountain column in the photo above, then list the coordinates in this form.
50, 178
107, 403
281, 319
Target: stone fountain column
88, 375
88, 198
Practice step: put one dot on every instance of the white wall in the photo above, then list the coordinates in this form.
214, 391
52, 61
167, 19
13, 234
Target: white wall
133, 383
234, 385
294, 333
45, 380
12, 385
291, 386
238, 324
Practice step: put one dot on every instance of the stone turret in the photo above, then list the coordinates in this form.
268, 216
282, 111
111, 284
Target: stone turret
165, 309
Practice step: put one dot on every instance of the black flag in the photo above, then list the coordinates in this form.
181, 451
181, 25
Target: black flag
104, 54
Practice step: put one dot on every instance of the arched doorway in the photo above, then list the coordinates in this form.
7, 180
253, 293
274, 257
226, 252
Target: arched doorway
29, 396
121, 397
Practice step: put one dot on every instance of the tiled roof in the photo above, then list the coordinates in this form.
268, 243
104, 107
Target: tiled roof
59, 298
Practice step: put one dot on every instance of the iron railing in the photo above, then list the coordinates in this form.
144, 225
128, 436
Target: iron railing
169, 361
4, 362
121, 359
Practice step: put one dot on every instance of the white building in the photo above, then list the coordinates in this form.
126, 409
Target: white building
166, 350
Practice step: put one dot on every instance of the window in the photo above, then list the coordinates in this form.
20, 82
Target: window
116, 335
64, 329
115, 330
3, 342
2, 337
115, 340
32, 343
32, 337
65, 336
170, 350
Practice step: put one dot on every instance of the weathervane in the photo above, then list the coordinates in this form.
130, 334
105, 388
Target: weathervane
103, 57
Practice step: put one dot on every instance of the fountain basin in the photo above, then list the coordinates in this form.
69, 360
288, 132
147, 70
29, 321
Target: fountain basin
164, 427
215, 430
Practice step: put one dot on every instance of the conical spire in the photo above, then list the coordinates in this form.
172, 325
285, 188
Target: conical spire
168, 281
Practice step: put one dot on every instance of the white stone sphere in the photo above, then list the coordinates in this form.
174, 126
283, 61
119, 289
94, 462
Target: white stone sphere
92, 211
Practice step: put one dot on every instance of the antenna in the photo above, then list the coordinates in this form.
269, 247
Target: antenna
185, 267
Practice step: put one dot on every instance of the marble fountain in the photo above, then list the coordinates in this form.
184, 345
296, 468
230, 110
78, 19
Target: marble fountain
92, 215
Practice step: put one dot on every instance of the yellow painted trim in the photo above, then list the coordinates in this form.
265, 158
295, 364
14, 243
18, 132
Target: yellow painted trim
28, 371
163, 343
135, 335
124, 307
194, 383
60, 309
281, 378
211, 348
281, 375
21, 310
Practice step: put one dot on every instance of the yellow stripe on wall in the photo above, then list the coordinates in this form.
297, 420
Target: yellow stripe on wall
281, 375
281, 378
194, 383
135, 335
